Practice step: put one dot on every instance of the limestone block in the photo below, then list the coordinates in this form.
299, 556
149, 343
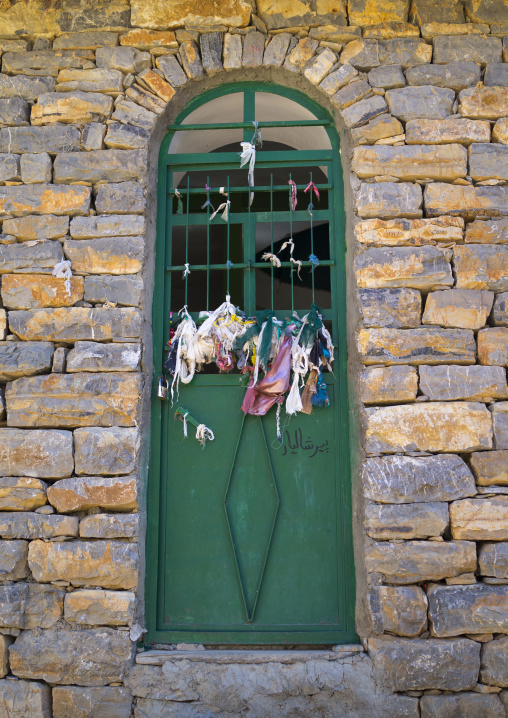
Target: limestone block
175, 13
482, 11
84, 40
500, 311
493, 559
494, 666
422, 268
172, 70
393, 308
9, 168
361, 54
461, 308
363, 111
5, 642
111, 451
191, 61
146, 99
442, 162
45, 62
414, 561
109, 225
416, 346
390, 30
406, 521
211, 52
76, 323
157, 85
490, 467
18, 201
466, 705
61, 656
123, 289
320, 67
500, 131
31, 291
98, 399
488, 161
92, 136
110, 82
21, 494
91, 492
99, 608
481, 267
297, 58
13, 560
484, 103
93, 356
71, 108
288, 13
385, 200
468, 201
480, 519
479, 608
106, 526
500, 424
336, 33
406, 52
493, 346
472, 383
34, 526
37, 454
146, 39
233, 51
493, 231
19, 359
407, 479
482, 49
30, 258
438, 132
99, 702
335, 80
98, 166
434, 426
455, 75
387, 77
351, 93
27, 698
129, 112
388, 385
400, 232
127, 60
398, 609
25, 87
496, 74
425, 102
120, 198
37, 227
14, 111
53, 19
35, 168
362, 13
110, 564
112, 255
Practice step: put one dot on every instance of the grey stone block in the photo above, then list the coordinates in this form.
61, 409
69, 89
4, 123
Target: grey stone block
211, 52
19, 359
191, 61
406, 521
55, 138
390, 199
398, 609
9, 168
390, 307
425, 102
112, 451
123, 290
37, 259
420, 268
19, 201
92, 136
100, 165
482, 49
467, 201
490, 467
479, 608
172, 70
36, 168
481, 266
488, 161
93, 356
275, 52
28, 525
473, 383
45, 62
361, 112
14, 111
13, 560
96, 80
27, 698
411, 162
387, 77
500, 311
336, 79
465, 705
126, 59
408, 479
350, 94
34, 226
24, 87
30, 605
454, 75
496, 74
108, 225
493, 559
91, 40
126, 137
253, 49
494, 666
233, 50
460, 130
99, 702
500, 424
120, 198
460, 308
106, 526
130, 113
40, 453
115, 255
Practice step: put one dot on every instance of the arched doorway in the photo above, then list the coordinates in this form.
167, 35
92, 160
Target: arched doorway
250, 541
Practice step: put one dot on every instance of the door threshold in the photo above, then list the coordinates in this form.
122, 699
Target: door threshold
159, 657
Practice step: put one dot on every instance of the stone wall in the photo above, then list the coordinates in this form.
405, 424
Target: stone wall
420, 94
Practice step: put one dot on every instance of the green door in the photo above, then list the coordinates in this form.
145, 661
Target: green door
249, 539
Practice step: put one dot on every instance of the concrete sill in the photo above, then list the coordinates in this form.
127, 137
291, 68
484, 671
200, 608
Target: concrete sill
158, 657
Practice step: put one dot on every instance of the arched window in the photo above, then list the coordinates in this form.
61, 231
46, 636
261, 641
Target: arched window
249, 541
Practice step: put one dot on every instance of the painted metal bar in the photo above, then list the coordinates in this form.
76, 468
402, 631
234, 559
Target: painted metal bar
197, 160
248, 125
187, 240
260, 188
244, 265
208, 248
271, 234
227, 251
291, 238
312, 236
260, 217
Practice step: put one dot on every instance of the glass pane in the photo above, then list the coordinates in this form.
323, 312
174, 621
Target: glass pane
228, 108
271, 107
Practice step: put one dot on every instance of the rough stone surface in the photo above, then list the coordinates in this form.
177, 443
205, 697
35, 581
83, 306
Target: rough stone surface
14, 111
111, 451
494, 670
488, 161
444, 131
466, 705
109, 564
282, 13
391, 199
119, 198
87, 492
336, 79
25, 698
468, 201
110, 82
99, 702
460, 308
30, 605
408, 479
500, 424
421, 268
125, 137
110, 526
19, 359
480, 519
38, 258
34, 227
390, 307
425, 102
493, 346
123, 289
45, 62
361, 112
473, 383
124, 59
21, 493
481, 267
454, 75
436, 426
490, 467
129, 112
175, 13
443, 162
468, 609
33, 525
466, 48
101, 165
493, 559
35, 168
76, 324
388, 385
398, 609
25, 87
429, 664
13, 560
414, 561
111, 255
62, 656
71, 108
425, 345
233, 51
99, 608
39, 453
44, 199
500, 131
500, 310
484, 103
108, 225
84, 40
33, 291
409, 232
93, 356
406, 521
387, 76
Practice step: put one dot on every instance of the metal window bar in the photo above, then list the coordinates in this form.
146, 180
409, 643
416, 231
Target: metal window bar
187, 241
311, 237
